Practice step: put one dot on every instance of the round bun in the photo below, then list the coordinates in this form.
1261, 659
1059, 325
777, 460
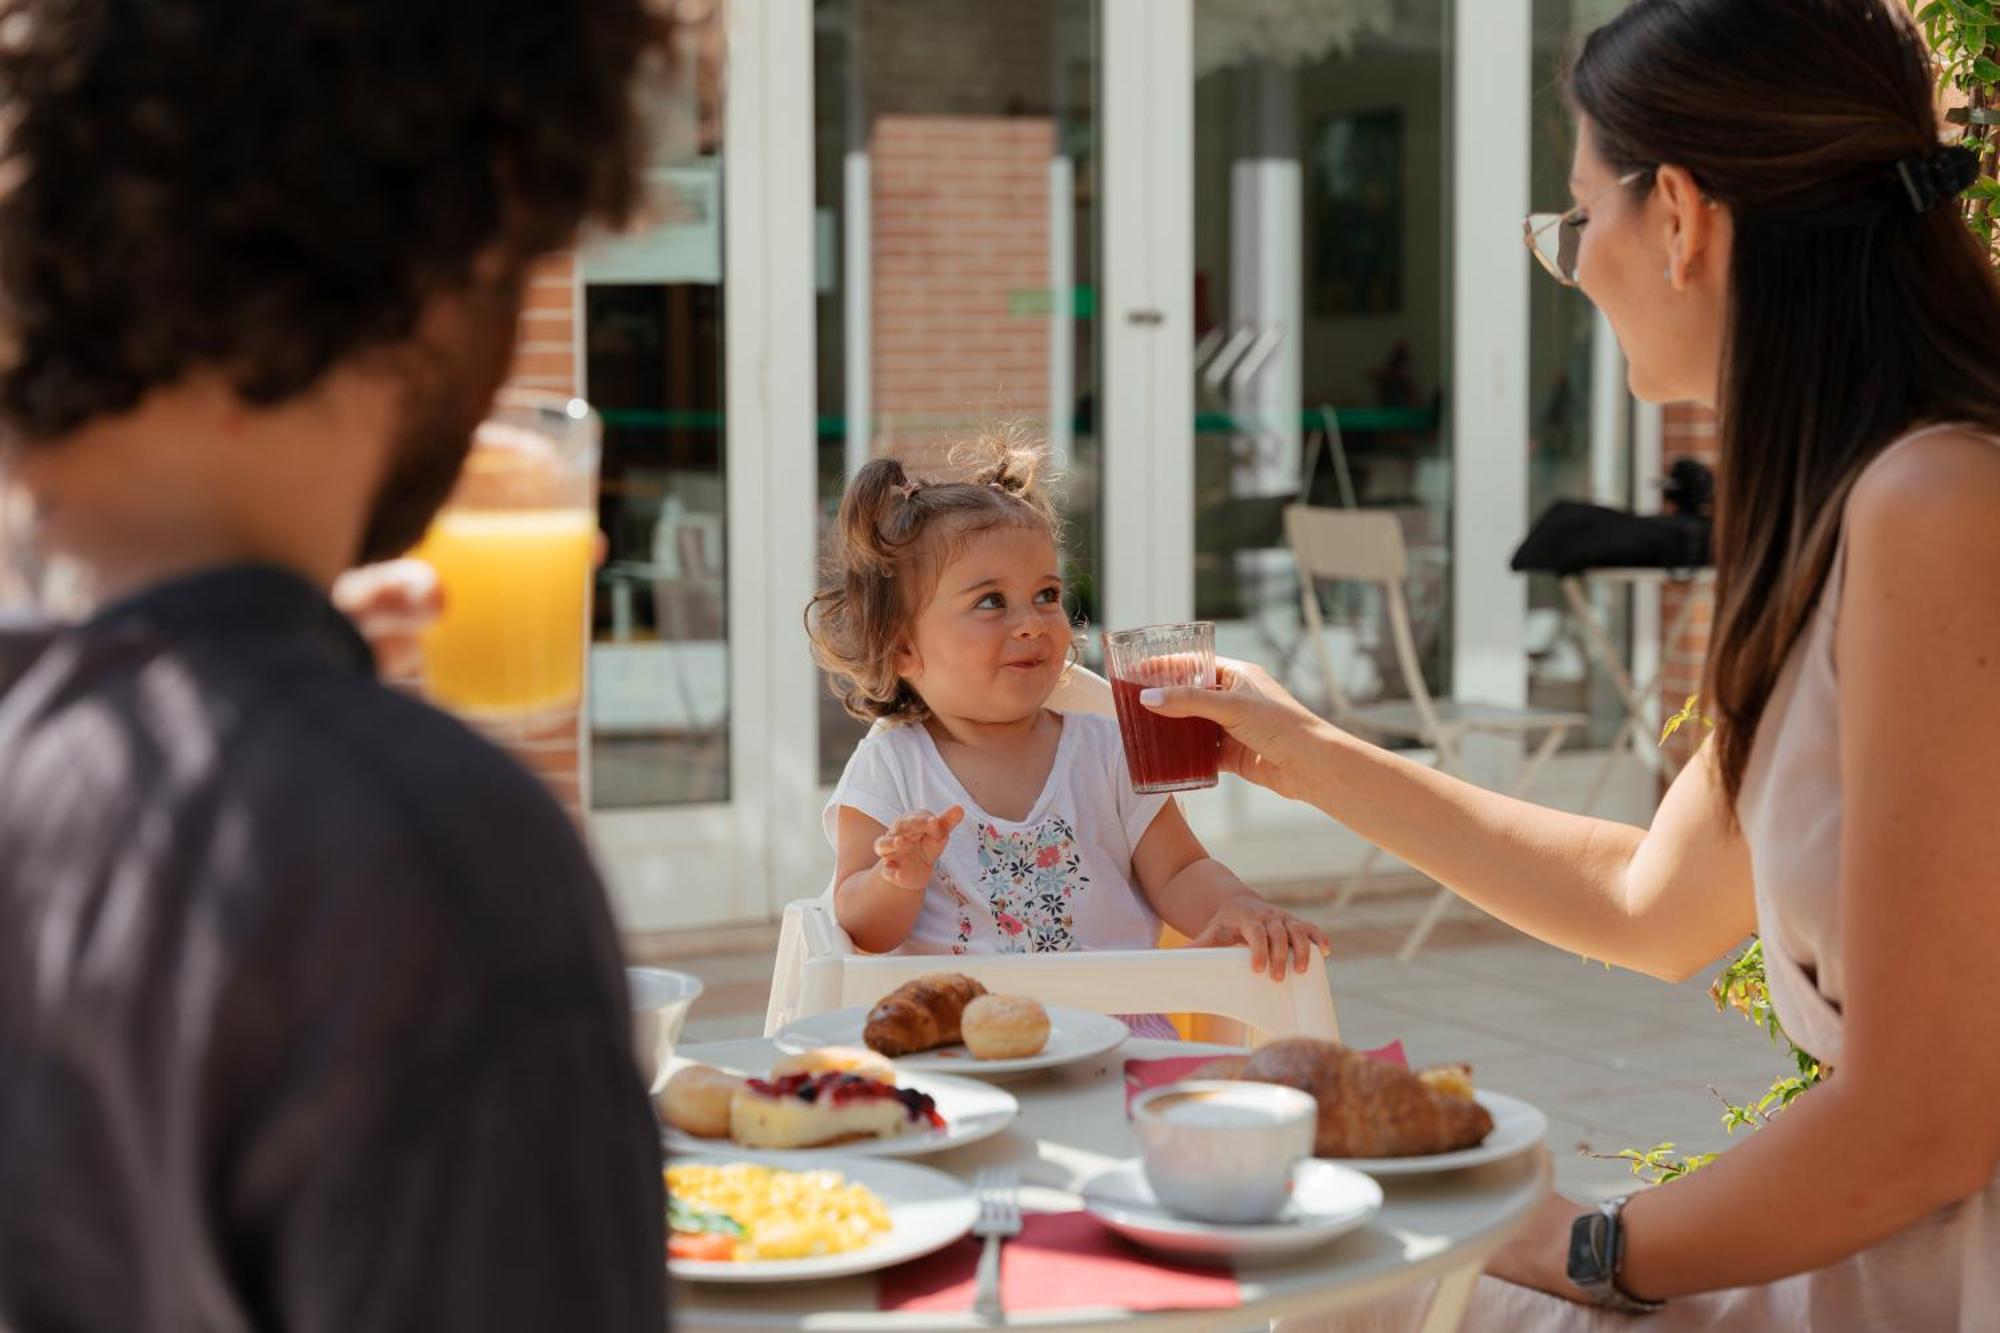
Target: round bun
696, 1101
837, 1060
1005, 1027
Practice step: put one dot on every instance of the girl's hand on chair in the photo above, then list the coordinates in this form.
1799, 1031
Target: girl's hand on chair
910, 847
1277, 940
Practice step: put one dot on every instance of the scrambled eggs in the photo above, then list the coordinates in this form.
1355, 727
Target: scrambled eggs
784, 1214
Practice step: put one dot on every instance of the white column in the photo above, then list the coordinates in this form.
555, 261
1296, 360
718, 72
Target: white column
1610, 406
1491, 59
1146, 162
1267, 241
1648, 447
857, 293
1062, 308
770, 395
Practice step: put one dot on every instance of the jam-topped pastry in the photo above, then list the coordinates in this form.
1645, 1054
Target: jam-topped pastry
809, 1110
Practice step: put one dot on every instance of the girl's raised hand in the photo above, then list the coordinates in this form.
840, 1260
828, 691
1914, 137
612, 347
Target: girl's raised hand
911, 846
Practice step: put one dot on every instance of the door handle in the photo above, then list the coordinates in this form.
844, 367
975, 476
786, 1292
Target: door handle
1145, 317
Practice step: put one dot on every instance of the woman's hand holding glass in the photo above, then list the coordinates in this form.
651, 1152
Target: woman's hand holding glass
1265, 730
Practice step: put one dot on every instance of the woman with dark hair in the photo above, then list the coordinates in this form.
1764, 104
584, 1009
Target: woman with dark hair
1764, 212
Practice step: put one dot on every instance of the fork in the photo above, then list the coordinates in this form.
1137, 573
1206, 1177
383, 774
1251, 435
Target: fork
998, 1192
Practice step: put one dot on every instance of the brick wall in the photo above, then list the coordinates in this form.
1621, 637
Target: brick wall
545, 359
1689, 433
960, 210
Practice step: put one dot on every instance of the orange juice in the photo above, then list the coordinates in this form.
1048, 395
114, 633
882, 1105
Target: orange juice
517, 587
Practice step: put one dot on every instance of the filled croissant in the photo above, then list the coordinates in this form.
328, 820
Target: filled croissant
1369, 1108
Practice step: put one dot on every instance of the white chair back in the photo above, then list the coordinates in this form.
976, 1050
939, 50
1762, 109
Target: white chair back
1210, 981
826, 973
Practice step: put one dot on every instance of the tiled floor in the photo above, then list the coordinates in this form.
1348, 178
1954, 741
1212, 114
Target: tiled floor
1617, 1060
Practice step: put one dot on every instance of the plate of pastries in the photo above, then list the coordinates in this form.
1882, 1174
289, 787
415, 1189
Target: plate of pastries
847, 1101
1387, 1120
949, 1023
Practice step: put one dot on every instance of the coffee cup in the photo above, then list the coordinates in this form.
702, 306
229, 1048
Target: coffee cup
1224, 1151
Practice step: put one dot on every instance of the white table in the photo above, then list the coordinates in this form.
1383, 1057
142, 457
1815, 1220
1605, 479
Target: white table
1641, 699
1072, 1125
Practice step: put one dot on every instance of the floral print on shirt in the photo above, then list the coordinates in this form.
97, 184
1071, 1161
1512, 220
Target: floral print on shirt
1029, 879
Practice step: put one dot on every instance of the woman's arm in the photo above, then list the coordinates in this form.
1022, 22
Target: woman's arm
1203, 899
882, 873
1664, 900
1908, 1122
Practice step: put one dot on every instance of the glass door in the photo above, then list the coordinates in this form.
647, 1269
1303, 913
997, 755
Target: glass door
1322, 220
955, 208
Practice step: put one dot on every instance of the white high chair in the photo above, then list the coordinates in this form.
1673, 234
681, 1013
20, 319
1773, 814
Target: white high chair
818, 969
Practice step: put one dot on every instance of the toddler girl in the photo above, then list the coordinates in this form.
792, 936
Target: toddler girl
978, 820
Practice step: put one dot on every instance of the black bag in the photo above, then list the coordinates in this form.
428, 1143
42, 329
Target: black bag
1571, 536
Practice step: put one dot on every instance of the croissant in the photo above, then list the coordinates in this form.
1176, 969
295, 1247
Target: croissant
1368, 1108
919, 1015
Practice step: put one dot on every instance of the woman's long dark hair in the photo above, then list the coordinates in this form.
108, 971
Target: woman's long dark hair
1852, 315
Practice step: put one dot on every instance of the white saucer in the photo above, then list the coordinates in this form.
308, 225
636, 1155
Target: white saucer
1517, 1128
1328, 1201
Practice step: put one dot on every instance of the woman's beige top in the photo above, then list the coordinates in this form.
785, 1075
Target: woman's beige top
1941, 1275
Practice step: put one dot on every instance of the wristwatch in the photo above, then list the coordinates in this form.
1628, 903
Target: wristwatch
1597, 1252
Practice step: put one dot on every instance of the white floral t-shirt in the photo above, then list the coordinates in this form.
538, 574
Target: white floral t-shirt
1057, 881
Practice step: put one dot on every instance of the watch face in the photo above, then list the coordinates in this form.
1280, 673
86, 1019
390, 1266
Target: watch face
1588, 1260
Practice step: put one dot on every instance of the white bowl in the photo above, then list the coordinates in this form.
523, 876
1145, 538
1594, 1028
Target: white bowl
660, 1000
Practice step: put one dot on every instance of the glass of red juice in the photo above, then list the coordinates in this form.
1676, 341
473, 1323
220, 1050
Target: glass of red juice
1164, 753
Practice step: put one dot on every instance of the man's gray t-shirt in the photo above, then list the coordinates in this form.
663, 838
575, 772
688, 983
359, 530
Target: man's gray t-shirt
311, 1011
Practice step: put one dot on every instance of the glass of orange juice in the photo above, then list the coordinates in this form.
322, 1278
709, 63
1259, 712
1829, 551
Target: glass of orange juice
513, 548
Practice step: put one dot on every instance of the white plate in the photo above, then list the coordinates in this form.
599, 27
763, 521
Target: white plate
1327, 1201
1517, 1127
972, 1111
1074, 1034
928, 1210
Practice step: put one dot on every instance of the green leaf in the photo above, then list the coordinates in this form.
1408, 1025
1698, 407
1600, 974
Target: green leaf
1931, 12
1988, 71
696, 1221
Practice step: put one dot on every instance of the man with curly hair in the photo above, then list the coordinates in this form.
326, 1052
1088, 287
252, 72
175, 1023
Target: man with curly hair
311, 1010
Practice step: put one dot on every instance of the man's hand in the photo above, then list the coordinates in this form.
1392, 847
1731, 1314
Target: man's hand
391, 604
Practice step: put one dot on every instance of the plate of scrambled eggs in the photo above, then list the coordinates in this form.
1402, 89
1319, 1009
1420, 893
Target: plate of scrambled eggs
758, 1218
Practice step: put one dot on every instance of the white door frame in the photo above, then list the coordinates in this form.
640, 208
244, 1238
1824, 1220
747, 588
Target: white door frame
1146, 166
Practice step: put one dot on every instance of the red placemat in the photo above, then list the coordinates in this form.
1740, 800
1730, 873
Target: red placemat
1060, 1261
1142, 1075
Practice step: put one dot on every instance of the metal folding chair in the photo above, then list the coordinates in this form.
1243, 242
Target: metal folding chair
1366, 547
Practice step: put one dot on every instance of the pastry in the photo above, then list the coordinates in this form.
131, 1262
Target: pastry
810, 1110
1004, 1027
1452, 1080
1369, 1108
837, 1060
1224, 1067
920, 1015
696, 1101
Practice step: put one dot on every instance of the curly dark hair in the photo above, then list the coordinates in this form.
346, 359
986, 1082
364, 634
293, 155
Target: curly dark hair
267, 187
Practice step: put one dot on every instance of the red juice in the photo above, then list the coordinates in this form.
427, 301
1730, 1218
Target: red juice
1164, 753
